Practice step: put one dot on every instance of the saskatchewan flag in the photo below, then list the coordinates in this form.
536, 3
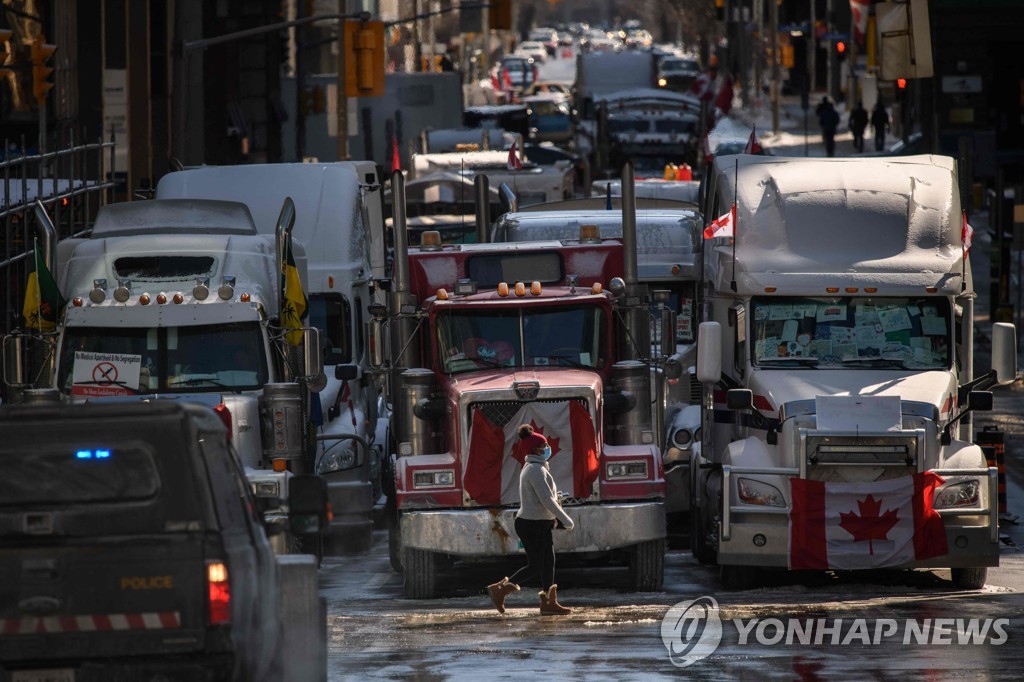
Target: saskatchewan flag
294, 306
43, 302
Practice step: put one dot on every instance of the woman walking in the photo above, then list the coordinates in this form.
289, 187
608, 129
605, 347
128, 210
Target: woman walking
539, 513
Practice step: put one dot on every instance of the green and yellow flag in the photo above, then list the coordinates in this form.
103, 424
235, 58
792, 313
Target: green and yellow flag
294, 306
43, 302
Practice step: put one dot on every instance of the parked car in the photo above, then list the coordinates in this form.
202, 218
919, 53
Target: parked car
678, 73
550, 118
547, 37
532, 49
133, 548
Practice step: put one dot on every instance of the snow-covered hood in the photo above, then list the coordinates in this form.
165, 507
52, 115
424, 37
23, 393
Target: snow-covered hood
774, 388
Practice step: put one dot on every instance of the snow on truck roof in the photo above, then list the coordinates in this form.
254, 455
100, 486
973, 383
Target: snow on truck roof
877, 217
167, 216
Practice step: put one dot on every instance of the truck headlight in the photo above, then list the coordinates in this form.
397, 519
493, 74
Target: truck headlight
266, 489
759, 493
444, 478
620, 470
682, 438
339, 459
964, 494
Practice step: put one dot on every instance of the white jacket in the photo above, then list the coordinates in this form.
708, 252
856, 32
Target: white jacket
538, 497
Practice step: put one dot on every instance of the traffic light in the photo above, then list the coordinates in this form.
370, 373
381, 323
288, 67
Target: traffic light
41, 51
6, 51
500, 17
901, 83
364, 58
841, 49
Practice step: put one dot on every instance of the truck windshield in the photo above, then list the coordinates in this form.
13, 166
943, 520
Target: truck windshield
539, 337
848, 332
127, 361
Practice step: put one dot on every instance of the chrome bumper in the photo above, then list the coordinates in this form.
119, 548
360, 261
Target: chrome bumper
972, 534
491, 532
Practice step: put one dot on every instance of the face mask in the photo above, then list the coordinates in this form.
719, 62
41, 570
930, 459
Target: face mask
546, 453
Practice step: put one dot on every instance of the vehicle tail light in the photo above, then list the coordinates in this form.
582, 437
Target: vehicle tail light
225, 416
219, 590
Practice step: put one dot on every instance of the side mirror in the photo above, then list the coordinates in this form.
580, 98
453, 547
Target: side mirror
346, 372
709, 352
312, 353
979, 401
739, 399
1004, 352
307, 505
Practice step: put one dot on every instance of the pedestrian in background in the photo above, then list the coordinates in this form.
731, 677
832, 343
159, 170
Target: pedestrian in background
539, 514
880, 122
858, 124
829, 119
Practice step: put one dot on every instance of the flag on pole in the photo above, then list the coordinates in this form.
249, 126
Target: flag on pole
494, 82
491, 471
859, 14
396, 158
723, 226
966, 234
506, 80
849, 526
294, 305
513, 162
43, 301
753, 144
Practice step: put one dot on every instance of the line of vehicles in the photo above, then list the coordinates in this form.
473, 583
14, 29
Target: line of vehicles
682, 380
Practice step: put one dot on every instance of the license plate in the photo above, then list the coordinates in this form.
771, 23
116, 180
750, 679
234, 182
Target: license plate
49, 675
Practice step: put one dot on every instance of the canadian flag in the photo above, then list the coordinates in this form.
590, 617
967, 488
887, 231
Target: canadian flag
491, 471
859, 13
506, 80
848, 526
494, 82
753, 144
513, 162
702, 87
966, 235
723, 226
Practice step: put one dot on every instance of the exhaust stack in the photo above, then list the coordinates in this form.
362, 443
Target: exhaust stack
482, 187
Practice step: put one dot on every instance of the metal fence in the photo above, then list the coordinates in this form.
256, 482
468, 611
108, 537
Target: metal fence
71, 184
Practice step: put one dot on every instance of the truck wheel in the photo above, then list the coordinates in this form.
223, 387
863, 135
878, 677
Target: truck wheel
420, 573
394, 537
702, 551
969, 578
737, 577
647, 566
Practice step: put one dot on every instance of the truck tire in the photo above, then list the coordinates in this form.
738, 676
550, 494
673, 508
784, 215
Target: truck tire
737, 577
972, 578
647, 566
420, 573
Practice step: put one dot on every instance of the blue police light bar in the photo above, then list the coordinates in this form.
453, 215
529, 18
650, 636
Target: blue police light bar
92, 454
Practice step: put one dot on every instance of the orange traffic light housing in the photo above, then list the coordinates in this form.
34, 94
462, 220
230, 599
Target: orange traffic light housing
364, 58
41, 52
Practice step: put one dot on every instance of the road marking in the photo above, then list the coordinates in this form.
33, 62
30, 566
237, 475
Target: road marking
377, 581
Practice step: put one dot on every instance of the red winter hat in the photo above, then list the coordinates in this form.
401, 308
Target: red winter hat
533, 441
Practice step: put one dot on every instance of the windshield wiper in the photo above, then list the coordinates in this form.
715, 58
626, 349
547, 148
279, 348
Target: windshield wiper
565, 359
875, 361
196, 380
489, 362
811, 362
119, 384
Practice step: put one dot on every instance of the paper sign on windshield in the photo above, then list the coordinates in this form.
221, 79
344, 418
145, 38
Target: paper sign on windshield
102, 374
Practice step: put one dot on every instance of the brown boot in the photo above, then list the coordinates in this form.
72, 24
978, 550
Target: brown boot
499, 591
549, 605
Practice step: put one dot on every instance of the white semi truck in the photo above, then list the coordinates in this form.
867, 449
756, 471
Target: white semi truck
338, 212
837, 360
180, 300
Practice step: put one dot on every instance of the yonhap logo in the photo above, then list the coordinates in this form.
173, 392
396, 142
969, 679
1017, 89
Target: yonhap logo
691, 631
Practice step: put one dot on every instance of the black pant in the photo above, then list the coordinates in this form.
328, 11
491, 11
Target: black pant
830, 143
540, 552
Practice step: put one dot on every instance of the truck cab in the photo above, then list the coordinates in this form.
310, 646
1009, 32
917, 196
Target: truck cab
837, 357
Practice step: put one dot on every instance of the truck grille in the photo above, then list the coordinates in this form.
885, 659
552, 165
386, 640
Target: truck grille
500, 413
852, 458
